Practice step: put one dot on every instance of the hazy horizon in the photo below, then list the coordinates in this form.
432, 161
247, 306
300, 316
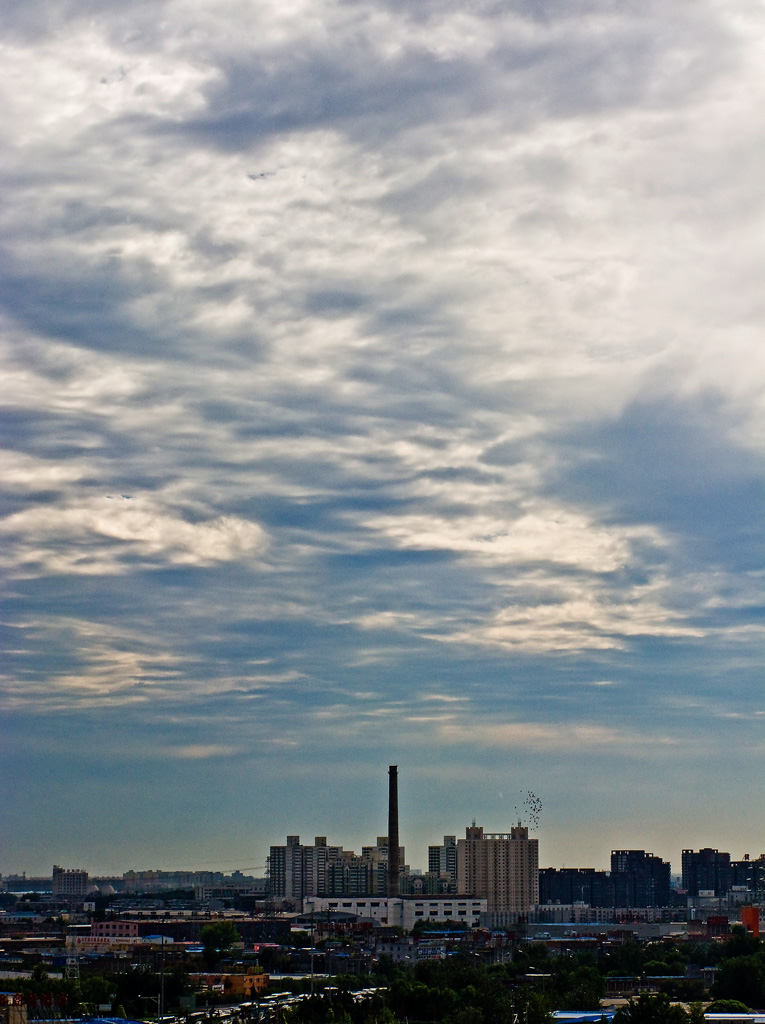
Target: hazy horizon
417, 863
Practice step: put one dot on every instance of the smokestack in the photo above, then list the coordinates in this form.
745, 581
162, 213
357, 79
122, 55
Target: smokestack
393, 861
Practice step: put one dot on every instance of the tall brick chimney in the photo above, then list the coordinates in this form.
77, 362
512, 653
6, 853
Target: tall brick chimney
393, 844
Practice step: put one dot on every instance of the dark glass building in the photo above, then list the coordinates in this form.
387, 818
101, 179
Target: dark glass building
640, 879
706, 870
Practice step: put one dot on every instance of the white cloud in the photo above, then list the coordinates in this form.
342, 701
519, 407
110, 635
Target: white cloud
546, 534
590, 622
198, 751
82, 82
113, 533
569, 737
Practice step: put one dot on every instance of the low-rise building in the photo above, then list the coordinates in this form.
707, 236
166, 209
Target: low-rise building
240, 986
402, 910
69, 882
13, 1008
118, 928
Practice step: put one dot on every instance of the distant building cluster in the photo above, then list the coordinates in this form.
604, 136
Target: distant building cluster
316, 869
148, 881
76, 883
711, 873
499, 870
489, 877
639, 879
493, 878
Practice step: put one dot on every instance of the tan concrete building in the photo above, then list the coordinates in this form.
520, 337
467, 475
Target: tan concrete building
502, 868
69, 881
236, 985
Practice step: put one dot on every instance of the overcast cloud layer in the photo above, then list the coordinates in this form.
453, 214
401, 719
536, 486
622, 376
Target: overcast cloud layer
383, 383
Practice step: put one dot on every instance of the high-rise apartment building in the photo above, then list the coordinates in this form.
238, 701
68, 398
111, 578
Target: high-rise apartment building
297, 871
442, 860
749, 873
503, 868
576, 885
706, 871
640, 879
352, 875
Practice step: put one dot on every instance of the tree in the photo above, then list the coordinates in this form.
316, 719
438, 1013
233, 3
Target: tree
658, 968
740, 943
727, 1006
741, 978
650, 1009
577, 987
218, 938
621, 960
465, 1015
532, 1007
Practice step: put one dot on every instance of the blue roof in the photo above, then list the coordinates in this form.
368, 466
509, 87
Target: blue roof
113, 1020
580, 1017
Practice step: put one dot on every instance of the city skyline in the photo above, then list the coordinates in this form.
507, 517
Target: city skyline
383, 385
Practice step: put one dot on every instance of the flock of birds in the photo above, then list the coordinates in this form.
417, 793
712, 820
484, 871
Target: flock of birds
530, 810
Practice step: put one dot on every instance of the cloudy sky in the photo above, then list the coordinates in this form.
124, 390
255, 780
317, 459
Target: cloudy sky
383, 383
